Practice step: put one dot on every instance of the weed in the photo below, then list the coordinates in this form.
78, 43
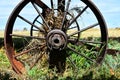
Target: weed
109, 70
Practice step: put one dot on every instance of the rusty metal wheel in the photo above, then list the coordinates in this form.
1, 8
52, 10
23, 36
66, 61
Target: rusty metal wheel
63, 35
36, 21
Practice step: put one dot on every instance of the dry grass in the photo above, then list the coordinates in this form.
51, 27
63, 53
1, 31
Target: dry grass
91, 33
1, 33
88, 33
96, 33
22, 32
114, 32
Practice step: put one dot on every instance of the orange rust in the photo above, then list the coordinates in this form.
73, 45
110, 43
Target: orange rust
18, 67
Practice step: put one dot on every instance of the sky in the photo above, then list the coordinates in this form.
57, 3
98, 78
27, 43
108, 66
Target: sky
110, 9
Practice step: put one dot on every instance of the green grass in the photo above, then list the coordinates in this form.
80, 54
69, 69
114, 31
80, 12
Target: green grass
109, 70
114, 44
4, 63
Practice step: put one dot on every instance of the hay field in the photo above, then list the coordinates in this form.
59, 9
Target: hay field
88, 33
16, 32
96, 33
114, 32
1, 34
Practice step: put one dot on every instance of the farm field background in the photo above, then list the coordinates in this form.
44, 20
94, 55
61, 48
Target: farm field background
110, 69
112, 32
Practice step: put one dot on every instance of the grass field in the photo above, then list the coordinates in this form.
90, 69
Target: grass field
1, 34
110, 69
92, 32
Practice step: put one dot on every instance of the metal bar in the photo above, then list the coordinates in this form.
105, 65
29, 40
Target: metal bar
113, 52
91, 26
39, 22
35, 30
38, 57
84, 41
40, 15
41, 4
72, 62
65, 13
81, 54
94, 42
72, 27
61, 5
36, 61
77, 16
52, 6
41, 30
27, 36
24, 52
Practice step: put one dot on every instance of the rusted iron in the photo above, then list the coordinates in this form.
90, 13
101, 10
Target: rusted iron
113, 52
54, 38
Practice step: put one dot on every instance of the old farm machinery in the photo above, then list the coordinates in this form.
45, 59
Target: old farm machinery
56, 35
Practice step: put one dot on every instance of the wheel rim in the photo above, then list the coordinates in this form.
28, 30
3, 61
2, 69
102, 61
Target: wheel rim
69, 18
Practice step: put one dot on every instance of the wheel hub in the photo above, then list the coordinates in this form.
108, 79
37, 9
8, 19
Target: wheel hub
56, 39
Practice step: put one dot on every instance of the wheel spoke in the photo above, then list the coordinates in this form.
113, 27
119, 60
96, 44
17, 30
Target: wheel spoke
24, 36
41, 30
72, 27
36, 20
78, 16
84, 41
72, 62
94, 42
39, 22
36, 61
41, 4
24, 52
65, 13
40, 15
55, 20
35, 30
84, 29
77, 25
81, 54
52, 5
89, 27
61, 5
41, 46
